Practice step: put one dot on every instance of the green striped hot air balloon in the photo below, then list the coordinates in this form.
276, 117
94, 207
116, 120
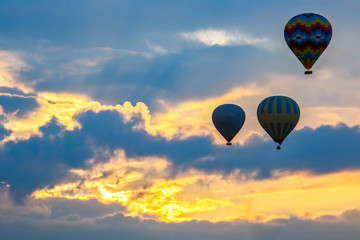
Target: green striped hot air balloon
278, 115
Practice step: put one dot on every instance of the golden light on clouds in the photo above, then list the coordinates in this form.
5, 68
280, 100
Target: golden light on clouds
180, 121
144, 186
193, 118
314, 117
183, 119
313, 94
64, 107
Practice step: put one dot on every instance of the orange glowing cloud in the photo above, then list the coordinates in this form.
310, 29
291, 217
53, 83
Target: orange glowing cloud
144, 186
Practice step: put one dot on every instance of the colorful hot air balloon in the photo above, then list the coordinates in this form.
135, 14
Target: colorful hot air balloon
228, 120
308, 35
278, 115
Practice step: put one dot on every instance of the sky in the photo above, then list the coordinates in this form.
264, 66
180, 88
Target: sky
106, 131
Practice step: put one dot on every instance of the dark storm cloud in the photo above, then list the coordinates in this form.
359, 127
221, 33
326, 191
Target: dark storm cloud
18, 104
42, 161
14, 91
3, 131
323, 150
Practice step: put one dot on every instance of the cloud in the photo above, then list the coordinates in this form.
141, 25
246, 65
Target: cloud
175, 120
246, 193
63, 107
183, 120
3, 132
11, 63
45, 159
188, 117
211, 37
157, 49
145, 187
69, 71
18, 105
29, 207
193, 118
66, 219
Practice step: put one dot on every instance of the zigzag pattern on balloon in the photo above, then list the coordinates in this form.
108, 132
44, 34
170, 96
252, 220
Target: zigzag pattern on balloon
300, 37
307, 29
308, 26
308, 55
307, 18
308, 48
308, 61
308, 35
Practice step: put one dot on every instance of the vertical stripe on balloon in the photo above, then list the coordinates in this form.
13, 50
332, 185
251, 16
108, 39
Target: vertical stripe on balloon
278, 115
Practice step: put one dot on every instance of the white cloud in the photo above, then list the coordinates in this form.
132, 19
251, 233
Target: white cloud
157, 49
211, 37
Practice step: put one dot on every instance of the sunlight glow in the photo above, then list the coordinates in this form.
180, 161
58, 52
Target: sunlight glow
116, 196
143, 185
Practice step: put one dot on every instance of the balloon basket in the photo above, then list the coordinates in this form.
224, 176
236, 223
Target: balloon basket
228, 144
308, 72
278, 147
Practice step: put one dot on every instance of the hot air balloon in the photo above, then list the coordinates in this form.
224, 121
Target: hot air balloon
308, 35
228, 120
278, 115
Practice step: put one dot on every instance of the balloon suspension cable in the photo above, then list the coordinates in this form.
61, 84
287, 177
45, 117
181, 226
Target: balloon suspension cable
308, 72
278, 147
229, 143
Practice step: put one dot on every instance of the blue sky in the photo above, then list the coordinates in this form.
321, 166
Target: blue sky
105, 122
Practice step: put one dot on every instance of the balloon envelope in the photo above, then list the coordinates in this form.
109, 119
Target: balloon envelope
228, 120
278, 115
308, 35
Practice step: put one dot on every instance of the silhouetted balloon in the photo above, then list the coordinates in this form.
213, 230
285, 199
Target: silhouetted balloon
308, 35
228, 120
278, 115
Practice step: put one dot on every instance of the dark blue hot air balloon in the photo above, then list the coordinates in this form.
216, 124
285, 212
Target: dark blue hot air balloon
228, 120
